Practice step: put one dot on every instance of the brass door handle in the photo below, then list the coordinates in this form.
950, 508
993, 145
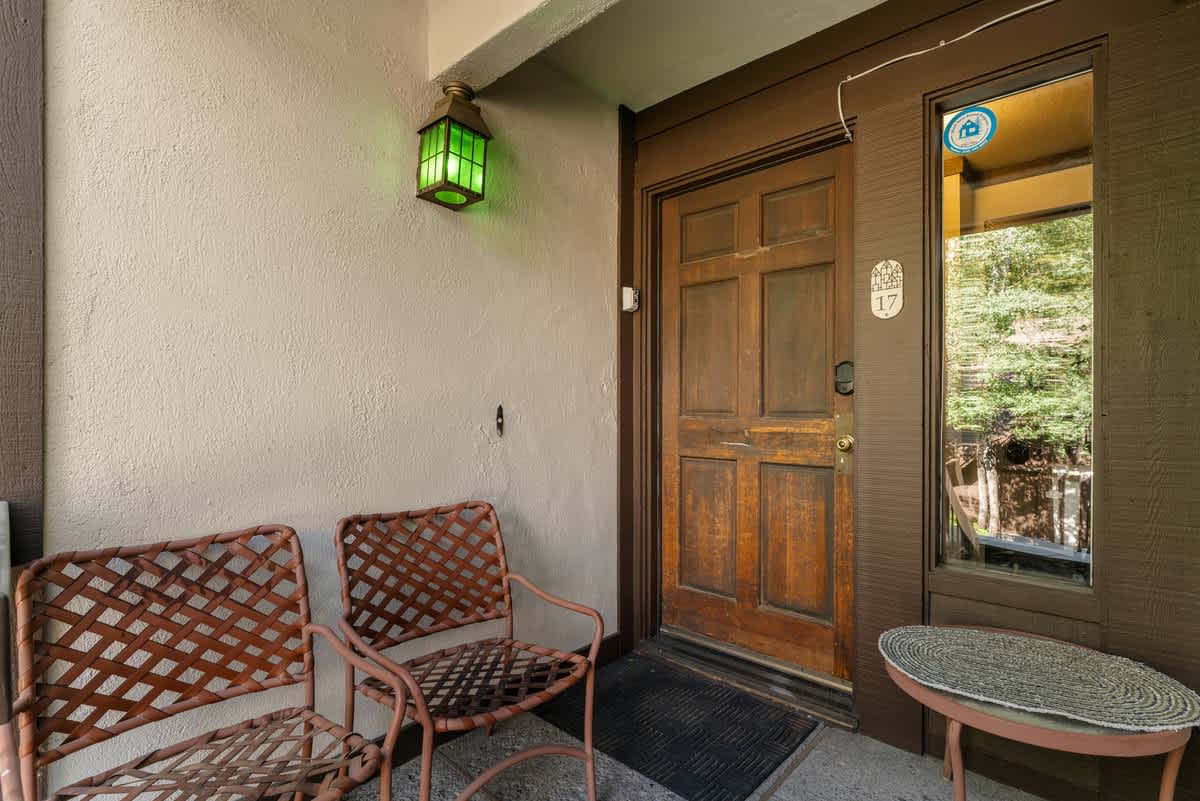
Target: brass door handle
845, 443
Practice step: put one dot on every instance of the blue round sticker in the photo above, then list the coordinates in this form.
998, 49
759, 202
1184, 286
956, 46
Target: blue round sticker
969, 130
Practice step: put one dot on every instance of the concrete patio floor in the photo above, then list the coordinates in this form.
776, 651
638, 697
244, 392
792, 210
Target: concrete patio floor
833, 766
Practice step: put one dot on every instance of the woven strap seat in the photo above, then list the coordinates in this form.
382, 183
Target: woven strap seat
481, 683
263, 759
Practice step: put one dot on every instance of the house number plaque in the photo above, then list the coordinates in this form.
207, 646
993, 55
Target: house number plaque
887, 289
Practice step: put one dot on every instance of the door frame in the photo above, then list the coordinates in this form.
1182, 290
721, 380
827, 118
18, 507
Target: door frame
639, 426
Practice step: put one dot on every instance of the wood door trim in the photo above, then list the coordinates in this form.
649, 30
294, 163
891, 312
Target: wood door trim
639, 338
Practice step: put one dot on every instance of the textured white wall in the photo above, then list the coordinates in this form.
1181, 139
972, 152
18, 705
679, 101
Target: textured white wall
250, 319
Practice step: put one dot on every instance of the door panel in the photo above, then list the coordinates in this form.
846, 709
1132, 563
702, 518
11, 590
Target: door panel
796, 539
799, 212
796, 349
708, 233
757, 531
708, 327
708, 525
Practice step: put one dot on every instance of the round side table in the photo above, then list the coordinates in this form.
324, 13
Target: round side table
1043, 730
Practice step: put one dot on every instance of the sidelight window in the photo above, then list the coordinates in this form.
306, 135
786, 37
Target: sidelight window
1018, 333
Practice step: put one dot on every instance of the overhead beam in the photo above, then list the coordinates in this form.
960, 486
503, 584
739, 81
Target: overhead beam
1039, 166
480, 42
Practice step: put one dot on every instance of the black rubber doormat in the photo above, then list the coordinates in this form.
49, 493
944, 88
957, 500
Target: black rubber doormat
704, 740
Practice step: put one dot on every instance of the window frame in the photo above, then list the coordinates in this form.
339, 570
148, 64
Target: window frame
1025, 592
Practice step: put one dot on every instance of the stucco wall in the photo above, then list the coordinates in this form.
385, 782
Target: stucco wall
250, 319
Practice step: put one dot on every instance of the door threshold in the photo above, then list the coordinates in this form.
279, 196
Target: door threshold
824, 697
770, 662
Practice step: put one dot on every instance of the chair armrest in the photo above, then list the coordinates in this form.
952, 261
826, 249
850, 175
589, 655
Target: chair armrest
390, 665
368, 667
597, 635
23, 702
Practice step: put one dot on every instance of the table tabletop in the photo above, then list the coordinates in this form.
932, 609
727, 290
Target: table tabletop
1053, 682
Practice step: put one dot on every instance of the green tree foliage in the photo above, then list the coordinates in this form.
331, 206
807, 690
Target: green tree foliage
1018, 337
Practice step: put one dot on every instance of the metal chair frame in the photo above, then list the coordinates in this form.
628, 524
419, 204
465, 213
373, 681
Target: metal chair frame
10, 760
422, 571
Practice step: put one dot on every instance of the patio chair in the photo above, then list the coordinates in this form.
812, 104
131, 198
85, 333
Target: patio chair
410, 574
110, 640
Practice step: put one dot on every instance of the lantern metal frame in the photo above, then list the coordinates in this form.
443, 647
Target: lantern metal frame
452, 159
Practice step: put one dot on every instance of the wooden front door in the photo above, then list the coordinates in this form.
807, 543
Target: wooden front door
757, 531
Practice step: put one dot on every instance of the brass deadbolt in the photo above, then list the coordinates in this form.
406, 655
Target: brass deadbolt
845, 443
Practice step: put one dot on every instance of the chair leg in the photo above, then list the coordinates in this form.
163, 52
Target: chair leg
348, 711
588, 709
426, 763
385, 778
349, 708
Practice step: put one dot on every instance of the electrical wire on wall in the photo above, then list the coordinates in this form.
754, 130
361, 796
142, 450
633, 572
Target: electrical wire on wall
915, 53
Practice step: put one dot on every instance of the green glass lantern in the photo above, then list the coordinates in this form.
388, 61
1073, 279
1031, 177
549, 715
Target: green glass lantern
452, 162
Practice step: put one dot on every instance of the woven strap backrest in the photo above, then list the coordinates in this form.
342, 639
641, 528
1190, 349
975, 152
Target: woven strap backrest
112, 639
409, 574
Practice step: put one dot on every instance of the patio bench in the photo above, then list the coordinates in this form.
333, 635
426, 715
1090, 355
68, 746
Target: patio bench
409, 574
111, 640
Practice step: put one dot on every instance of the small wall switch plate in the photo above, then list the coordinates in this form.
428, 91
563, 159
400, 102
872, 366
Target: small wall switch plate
631, 299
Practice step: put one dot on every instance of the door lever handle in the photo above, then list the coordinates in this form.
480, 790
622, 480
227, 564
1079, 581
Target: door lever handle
737, 444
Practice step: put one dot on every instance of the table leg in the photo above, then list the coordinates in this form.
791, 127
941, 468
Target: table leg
954, 748
1166, 791
947, 771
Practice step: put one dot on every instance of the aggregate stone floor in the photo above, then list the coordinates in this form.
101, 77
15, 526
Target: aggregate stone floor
833, 765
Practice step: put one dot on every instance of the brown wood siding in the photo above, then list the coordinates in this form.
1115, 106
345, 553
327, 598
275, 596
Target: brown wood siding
1147, 599
21, 272
888, 390
1150, 502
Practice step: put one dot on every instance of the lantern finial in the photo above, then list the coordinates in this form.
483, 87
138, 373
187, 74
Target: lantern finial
459, 88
